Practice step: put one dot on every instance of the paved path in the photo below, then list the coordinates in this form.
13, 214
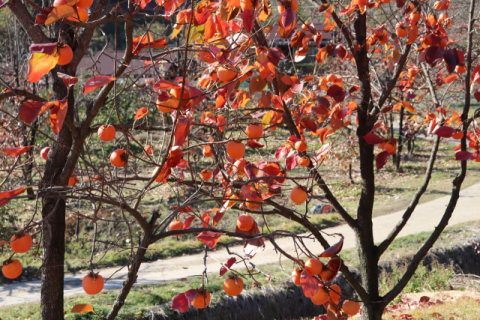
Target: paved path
425, 217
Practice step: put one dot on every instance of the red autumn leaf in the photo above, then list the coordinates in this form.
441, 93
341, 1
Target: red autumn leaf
165, 85
444, 131
57, 114
451, 78
249, 170
218, 216
333, 250
309, 284
249, 192
182, 301
10, 194
254, 144
221, 123
183, 209
257, 84
433, 55
141, 113
322, 152
42, 16
292, 161
450, 60
16, 151
209, 238
477, 96
205, 219
337, 93
271, 169
309, 124
96, 82
248, 17
372, 138
188, 222
69, 81
460, 155
381, 159
181, 130
476, 74
252, 247
228, 264
30, 110
282, 151
46, 48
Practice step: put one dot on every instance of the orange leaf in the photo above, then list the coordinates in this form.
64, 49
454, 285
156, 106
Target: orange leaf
2, 242
82, 308
10, 194
96, 82
209, 238
14, 152
57, 115
221, 123
40, 64
451, 78
60, 12
141, 113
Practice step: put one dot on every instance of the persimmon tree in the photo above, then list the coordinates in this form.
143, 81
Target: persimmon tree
230, 96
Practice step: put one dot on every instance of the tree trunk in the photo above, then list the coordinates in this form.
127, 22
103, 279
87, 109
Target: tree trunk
372, 311
54, 226
399, 141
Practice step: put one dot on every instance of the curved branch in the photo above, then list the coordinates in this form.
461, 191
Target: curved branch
22, 93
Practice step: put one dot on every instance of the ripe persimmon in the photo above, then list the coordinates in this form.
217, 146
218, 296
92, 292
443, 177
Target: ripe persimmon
301, 146
92, 283
176, 93
106, 133
401, 30
202, 300
233, 286
206, 174
254, 131
176, 225
351, 307
327, 274
227, 74
81, 17
57, 3
460, 69
313, 266
304, 162
414, 17
119, 158
321, 296
335, 292
12, 269
298, 195
65, 55
44, 153
254, 204
245, 222
235, 149
458, 135
148, 149
296, 276
247, 4
238, 167
84, 3
21, 243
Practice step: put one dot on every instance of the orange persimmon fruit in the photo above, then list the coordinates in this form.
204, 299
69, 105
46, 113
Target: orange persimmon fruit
119, 158
301, 146
298, 195
233, 286
21, 243
351, 307
245, 222
206, 174
92, 283
202, 300
254, 131
12, 269
176, 225
313, 266
235, 149
106, 133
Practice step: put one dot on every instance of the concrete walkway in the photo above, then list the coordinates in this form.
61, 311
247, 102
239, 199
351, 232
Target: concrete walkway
425, 218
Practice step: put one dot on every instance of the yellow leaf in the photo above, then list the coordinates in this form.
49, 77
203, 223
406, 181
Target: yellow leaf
408, 106
267, 118
59, 12
82, 308
40, 64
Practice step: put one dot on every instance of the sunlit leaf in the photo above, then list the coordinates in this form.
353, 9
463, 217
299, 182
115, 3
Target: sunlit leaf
333, 250
209, 238
15, 151
228, 264
40, 64
96, 82
82, 308
10, 194
30, 110
60, 12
